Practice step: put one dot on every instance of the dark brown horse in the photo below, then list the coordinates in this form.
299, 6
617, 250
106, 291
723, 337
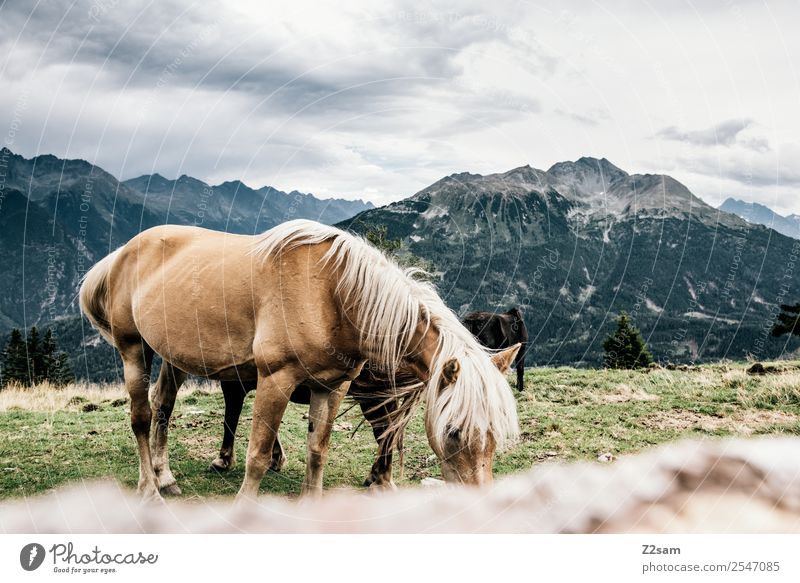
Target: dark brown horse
501, 331
371, 390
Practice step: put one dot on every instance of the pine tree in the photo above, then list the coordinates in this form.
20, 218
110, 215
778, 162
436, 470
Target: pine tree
50, 363
788, 321
36, 360
49, 356
626, 348
61, 374
15, 360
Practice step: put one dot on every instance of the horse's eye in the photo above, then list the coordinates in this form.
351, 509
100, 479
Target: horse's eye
454, 434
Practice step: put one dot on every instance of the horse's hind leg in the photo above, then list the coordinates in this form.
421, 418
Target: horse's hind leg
278, 456
234, 393
163, 401
137, 358
379, 416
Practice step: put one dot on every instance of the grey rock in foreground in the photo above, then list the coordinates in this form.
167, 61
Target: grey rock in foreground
741, 486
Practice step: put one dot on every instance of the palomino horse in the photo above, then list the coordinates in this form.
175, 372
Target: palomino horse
303, 304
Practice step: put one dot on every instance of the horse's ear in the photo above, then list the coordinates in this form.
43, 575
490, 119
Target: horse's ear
450, 372
503, 360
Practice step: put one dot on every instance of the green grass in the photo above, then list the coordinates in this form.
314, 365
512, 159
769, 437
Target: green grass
47, 438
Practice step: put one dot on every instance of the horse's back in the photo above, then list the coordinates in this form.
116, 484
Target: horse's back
203, 301
182, 290
497, 330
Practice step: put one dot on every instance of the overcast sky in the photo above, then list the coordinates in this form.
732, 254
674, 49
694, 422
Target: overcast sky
377, 102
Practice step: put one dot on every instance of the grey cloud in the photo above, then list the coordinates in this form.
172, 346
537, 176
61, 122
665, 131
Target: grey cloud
723, 134
756, 173
589, 118
137, 44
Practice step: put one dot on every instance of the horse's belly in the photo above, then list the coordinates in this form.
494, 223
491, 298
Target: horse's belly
245, 371
198, 346
205, 331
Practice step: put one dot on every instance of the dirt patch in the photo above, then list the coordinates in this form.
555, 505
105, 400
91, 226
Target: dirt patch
625, 393
761, 418
201, 446
680, 420
744, 422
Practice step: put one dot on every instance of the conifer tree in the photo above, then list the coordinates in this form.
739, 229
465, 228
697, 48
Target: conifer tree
49, 355
626, 348
788, 321
61, 374
36, 360
377, 236
15, 360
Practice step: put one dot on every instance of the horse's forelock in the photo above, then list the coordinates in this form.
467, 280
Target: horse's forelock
480, 401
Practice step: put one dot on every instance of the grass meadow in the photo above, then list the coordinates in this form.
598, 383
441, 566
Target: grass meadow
52, 436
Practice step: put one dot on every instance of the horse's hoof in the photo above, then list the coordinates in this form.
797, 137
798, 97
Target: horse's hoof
277, 465
170, 490
220, 465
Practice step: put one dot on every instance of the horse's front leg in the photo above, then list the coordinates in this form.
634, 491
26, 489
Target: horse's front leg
272, 397
321, 414
162, 402
520, 365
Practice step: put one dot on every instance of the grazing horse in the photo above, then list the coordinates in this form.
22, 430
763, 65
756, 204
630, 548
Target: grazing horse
303, 304
501, 331
387, 415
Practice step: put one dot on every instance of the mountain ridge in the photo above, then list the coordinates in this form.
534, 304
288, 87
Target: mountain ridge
585, 239
573, 245
75, 213
760, 214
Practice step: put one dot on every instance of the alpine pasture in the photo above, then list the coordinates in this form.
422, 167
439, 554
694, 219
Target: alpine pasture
52, 436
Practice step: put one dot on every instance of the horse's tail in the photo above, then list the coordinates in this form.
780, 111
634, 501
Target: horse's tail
94, 295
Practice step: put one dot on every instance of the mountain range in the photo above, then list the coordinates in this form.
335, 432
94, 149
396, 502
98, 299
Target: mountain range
753, 212
573, 246
58, 217
578, 243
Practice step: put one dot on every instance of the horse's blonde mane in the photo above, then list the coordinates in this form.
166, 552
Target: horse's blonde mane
388, 304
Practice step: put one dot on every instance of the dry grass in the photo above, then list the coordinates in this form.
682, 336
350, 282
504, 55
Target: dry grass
47, 398
766, 391
624, 392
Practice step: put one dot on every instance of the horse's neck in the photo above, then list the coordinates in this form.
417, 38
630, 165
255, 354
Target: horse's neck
423, 350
